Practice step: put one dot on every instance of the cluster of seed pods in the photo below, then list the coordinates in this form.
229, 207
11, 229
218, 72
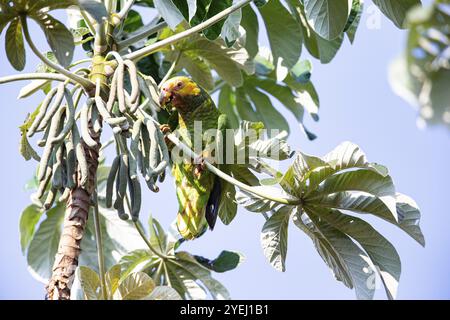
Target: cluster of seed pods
140, 143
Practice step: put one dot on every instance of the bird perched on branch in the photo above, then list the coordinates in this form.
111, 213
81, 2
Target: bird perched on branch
198, 190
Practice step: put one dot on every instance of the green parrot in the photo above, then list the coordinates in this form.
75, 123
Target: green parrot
198, 190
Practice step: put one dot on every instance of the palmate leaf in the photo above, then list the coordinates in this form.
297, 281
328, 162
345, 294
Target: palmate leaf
341, 180
189, 275
58, 36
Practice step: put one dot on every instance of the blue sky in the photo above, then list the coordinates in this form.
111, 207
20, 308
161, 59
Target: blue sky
358, 105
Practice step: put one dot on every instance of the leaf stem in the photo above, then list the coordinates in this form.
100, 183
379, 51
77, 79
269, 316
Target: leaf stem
84, 82
34, 76
139, 54
143, 35
171, 69
147, 242
98, 240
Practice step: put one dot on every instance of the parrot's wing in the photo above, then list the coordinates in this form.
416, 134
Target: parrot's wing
212, 208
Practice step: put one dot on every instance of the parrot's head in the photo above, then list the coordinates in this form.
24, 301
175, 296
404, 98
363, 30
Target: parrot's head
181, 93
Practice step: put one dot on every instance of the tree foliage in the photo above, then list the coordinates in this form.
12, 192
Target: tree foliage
216, 44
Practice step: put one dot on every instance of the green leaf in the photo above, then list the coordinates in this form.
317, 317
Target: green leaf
215, 7
136, 286
133, 22
250, 23
169, 12
284, 34
274, 238
354, 19
327, 17
409, 217
163, 293
271, 118
226, 106
230, 31
381, 252
58, 37
90, 283
112, 278
226, 261
96, 9
396, 9
28, 221
15, 49
44, 244
227, 205
347, 261
135, 261
197, 69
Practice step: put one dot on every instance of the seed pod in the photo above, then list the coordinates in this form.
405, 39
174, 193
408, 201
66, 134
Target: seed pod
121, 88
46, 154
42, 111
84, 123
54, 107
145, 150
82, 164
70, 119
71, 162
43, 184
164, 152
162, 176
136, 198
110, 181
41, 143
51, 195
101, 107
65, 195
96, 119
121, 189
112, 92
57, 180
116, 121
132, 72
134, 148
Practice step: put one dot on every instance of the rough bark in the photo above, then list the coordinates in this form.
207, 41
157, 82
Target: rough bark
77, 212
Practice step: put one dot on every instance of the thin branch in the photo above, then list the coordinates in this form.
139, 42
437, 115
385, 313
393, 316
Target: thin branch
84, 82
126, 8
35, 76
289, 200
147, 242
139, 36
98, 240
139, 54
171, 69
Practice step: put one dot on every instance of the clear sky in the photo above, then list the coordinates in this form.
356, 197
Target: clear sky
357, 104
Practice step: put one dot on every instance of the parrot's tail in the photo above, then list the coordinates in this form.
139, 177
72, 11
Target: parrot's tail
191, 224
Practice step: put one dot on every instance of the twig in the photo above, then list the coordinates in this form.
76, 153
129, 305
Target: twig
139, 54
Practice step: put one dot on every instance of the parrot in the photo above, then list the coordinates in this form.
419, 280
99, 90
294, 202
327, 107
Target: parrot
198, 190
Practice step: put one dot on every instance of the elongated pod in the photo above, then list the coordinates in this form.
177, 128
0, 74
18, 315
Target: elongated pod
136, 198
57, 179
54, 107
110, 181
70, 119
121, 88
134, 148
48, 149
51, 195
82, 164
121, 189
71, 158
44, 183
84, 125
132, 72
42, 110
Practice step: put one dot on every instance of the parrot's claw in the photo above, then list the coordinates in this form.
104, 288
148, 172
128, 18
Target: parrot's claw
200, 166
165, 129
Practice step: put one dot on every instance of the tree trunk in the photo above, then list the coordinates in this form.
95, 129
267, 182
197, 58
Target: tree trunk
77, 212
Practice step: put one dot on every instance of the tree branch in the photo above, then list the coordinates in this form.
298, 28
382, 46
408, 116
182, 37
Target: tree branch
142, 53
35, 76
84, 82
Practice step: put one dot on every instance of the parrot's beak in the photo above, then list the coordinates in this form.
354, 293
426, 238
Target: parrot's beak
165, 97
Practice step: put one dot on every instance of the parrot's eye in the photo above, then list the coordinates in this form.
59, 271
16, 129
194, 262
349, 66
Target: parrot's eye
179, 84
